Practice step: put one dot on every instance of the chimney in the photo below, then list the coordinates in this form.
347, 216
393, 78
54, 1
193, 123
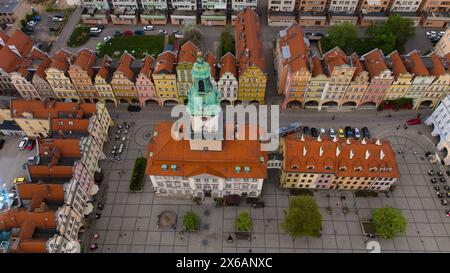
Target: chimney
378, 142
367, 154
382, 155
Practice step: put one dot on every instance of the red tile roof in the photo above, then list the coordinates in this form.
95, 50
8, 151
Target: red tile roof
415, 64
85, 60
298, 50
124, 66
333, 58
249, 47
147, 66
211, 60
397, 65
374, 61
21, 41
228, 64
187, 53
165, 63
45, 110
40, 71
235, 153
61, 60
10, 60
104, 67
438, 68
357, 63
317, 68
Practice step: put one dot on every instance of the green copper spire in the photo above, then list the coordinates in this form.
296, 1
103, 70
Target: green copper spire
203, 98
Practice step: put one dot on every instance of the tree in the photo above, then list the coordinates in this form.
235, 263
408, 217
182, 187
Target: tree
344, 35
227, 42
243, 222
303, 217
396, 28
389, 221
191, 33
191, 221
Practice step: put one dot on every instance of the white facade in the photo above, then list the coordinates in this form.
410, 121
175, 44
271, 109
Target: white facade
59, 244
68, 222
184, 4
405, 5
91, 154
443, 46
242, 4
214, 4
228, 87
440, 119
418, 88
154, 4
348, 6
200, 185
95, 4
281, 5
131, 4
24, 87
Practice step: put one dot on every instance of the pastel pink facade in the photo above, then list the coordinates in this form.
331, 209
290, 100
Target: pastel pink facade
144, 84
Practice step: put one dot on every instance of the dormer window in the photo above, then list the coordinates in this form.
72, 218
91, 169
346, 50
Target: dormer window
173, 167
164, 167
237, 169
373, 169
294, 166
343, 168
246, 169
358, 169
310, 167
328, 168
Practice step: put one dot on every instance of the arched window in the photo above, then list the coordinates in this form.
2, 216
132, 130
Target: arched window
201, 86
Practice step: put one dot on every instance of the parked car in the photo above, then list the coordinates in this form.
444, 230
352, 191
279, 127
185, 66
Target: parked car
2, 143
57, 18
134, 108
37, 18
30, 145
414, 121
139, 32
23, 143
95, 30
348, 131
341, 132
30, 159
356, 132
98, 45
314, 132
32, 24
291, 128
322, 131
128, 33
306, 130
331, 133
162, 31
365, 132
106, 39
18, 180
117, 33
148, 28
179, 35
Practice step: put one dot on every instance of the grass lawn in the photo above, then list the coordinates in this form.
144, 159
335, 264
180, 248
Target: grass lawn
79, 36
138, 175
140, 44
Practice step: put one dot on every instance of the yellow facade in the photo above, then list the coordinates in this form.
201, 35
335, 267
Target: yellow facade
104, 90
123, 88
436, 91
315, 89
252, 85
61, 85
166, 87
184, 79
83, 84
352, 183
399, 87
33, 127
356, 89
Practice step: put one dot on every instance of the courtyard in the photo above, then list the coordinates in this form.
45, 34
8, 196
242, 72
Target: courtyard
128, 222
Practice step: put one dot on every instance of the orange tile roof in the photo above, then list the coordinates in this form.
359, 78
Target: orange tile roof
38, 54
294, 40
211, 60
40, 71
124, 66
15, 218
60, 60
415, 64
355, 154
53, 192
228, 64
147, 66
10, 60
333, 58
398, 68
438, 68
187, 53
85, 60
374, 62
317, 68
45, 110
4, 37
242, 153
249, 48
76, 125
165, 63
64, 147
24, 65
104, 67
21, 41
357, 63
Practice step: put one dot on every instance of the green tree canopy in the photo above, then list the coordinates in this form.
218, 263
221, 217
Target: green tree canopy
191, 221
389, 221
303, 217
396, 28
243, 222
191, 33
227, 43
344, 35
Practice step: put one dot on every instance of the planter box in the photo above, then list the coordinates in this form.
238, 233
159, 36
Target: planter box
243, 235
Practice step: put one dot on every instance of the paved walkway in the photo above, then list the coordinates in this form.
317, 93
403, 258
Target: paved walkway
63, 37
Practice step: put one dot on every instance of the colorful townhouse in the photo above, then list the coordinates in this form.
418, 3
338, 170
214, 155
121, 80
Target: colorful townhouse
422, 77
381, 79
358, 85
165, 79
403, 78
101, 82
81, 74
58, 78
39, 80
341, 74
228, 79
21, 79
317, 85
250, 55
186, 59
292, 64
144, 84
122, 81
440, 86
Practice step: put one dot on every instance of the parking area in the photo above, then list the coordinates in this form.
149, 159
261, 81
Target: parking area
12, 160
128, 221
